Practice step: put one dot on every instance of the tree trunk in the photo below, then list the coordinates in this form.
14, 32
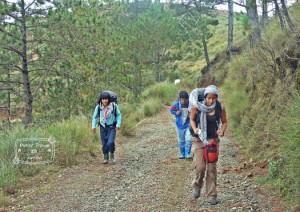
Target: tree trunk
137, 79
286, 14
264, 12
205, 51
158, 74
230, 28
25, 72
278, 14
8, 97
253, 17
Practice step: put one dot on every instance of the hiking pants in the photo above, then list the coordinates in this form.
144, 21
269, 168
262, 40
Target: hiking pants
184, 141
108, 135
201, 167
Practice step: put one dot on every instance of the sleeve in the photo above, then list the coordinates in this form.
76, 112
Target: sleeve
95, 117
174, 108
118, 116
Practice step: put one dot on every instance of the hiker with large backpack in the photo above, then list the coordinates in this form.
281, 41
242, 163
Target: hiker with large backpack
205, 118
109, 115
180, 110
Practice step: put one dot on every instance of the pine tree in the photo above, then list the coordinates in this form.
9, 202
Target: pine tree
23, 34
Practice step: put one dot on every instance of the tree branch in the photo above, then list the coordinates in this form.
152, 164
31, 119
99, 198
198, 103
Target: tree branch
17, 82
291, 58
42, 80
10, 48
29, 5
241, 5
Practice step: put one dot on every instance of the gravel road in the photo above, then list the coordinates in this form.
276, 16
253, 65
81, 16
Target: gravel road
148, 176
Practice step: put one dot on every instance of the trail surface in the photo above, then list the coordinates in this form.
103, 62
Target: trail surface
149, 177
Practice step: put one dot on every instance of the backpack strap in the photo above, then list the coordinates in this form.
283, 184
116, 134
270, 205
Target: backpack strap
115, 113
98, 123
218, 113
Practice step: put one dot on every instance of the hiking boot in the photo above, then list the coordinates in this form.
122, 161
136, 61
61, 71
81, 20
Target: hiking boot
196, 193
188, 157
105, 161
181, 156
112, 158
213, 201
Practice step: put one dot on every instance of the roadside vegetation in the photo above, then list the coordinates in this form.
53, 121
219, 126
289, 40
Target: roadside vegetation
262, 96
75, 141
138, 50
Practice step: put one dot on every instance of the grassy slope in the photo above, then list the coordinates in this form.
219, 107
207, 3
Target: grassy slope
216, 44
264, 108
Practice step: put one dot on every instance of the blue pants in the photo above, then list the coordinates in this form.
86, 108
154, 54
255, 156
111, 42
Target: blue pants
184, 141
108, 135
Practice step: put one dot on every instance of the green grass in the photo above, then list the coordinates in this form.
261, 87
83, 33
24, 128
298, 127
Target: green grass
264, 109
74, 140
150, 102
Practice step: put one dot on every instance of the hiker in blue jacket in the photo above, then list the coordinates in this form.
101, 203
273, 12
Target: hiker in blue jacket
180, 110
110, 121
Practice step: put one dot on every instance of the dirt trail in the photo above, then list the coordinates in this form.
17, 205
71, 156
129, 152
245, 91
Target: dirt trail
148, 177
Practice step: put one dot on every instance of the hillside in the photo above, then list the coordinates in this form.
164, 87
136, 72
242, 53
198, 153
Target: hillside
261, 91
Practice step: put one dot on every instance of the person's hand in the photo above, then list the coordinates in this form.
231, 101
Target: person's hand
94, 130
178, 112
117, 129
197, 131
220, 133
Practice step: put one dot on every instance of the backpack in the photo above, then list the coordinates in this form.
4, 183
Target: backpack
114, 99
113, 96
197, 95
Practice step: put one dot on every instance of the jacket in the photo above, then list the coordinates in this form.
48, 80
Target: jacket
173, 109
112, 118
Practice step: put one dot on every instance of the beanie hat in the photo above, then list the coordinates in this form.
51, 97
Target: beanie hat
211, 89
183, 94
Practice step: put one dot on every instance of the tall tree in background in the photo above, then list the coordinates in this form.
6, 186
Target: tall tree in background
278, 14
286, 15
264, 12
198, 15
141, 45
79, 34
23, 34
254, 22
230, 27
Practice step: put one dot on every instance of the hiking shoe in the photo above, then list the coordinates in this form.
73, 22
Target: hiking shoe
188, 157
181, 156
105, 161
196, 193
213, 201
112, 158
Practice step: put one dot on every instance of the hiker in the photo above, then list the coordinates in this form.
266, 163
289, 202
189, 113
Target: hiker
180, 110
208, 132
110, 121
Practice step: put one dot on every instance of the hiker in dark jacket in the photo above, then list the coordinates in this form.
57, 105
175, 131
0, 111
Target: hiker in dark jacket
180, 110
110, 121
208, 132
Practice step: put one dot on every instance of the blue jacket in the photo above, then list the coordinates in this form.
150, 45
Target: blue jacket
177, 106
111, 119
